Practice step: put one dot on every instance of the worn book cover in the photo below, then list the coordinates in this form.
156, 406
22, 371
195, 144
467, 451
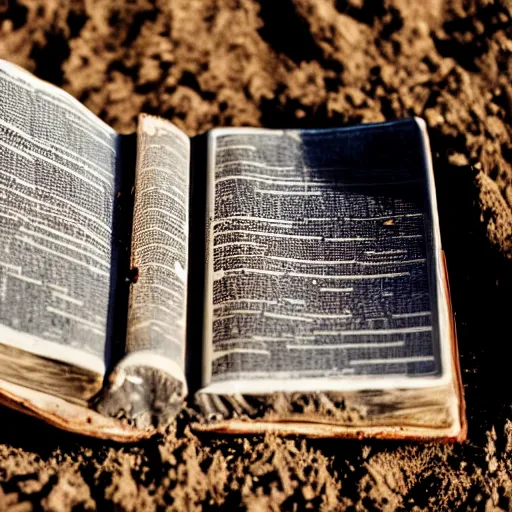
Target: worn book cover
284, 280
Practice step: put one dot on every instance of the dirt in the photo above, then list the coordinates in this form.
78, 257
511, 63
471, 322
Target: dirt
297, 63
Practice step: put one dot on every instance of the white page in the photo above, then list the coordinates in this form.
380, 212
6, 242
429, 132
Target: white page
317, 279
57, 176
157, 310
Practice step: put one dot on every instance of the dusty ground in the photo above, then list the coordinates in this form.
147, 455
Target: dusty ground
205, 63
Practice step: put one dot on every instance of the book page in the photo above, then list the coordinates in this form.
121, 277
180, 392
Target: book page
57, 180
156, 320
148, 384
318, 262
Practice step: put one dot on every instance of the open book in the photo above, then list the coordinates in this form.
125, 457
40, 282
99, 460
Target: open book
291, 280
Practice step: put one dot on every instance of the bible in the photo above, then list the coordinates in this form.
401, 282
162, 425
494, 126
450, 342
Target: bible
284, 280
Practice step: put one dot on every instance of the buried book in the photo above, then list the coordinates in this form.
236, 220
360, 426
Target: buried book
291, 280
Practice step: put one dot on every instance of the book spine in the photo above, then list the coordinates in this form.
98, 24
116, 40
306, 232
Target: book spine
197, 261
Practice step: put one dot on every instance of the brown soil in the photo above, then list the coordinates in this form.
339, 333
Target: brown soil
294, 63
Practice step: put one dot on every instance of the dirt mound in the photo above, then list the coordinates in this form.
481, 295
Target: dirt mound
295, 63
